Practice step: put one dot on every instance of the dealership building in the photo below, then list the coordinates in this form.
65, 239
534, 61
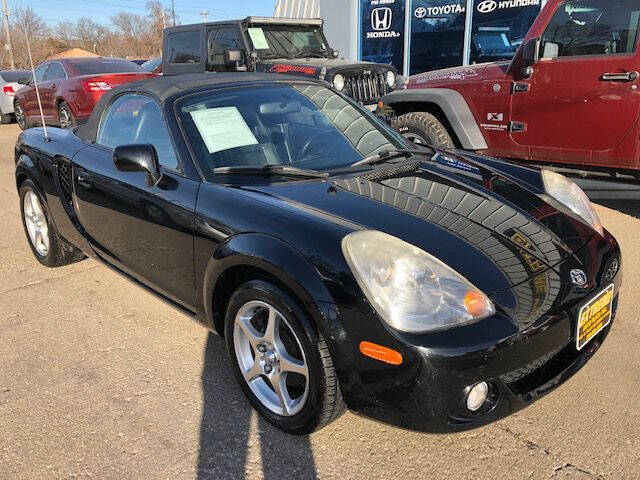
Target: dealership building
420, 35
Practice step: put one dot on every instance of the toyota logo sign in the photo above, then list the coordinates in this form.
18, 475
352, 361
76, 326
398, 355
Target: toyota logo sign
487, 6
420, 12
381, 18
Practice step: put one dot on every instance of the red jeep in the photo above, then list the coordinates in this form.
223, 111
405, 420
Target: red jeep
568, 98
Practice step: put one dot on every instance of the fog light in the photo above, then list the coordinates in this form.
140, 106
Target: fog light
477, 396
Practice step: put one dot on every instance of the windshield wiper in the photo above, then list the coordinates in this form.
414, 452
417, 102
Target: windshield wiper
309, 54
269, 170
385, 155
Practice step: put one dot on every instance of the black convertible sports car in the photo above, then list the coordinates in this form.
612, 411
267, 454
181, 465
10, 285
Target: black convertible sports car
433, 290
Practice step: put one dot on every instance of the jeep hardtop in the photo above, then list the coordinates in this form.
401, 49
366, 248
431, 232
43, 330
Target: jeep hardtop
277, 45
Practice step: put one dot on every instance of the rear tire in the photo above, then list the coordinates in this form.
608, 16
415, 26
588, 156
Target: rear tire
312, 398
423, 128
49, 248
66, 117
21, 118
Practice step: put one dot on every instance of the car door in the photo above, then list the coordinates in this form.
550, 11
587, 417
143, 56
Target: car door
55, 74
582, 101
146, 231
220, 39
31, 107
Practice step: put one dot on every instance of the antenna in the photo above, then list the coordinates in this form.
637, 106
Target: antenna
35, 83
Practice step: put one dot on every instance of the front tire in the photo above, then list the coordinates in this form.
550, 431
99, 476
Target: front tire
67, 119
423, 128
21, 118
49, 248
281, 360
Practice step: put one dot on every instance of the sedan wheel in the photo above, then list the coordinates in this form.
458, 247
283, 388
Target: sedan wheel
271, 358
20, 117
36, 223
67, 119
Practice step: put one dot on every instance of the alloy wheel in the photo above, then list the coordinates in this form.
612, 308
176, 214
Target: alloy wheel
65, 118
271, 358
20, 118
36, 223
415, 138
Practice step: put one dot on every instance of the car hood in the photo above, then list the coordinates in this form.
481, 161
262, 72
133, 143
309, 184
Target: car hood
319, 67
481, 220
478, 72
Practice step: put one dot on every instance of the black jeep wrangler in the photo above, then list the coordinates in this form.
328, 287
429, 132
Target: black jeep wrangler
277, 45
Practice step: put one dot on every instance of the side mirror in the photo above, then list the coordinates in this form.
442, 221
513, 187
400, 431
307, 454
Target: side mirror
233, 57
138, 158
530, 56
24, 81
335, 53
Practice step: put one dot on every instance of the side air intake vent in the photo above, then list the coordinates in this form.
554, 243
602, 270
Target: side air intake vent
64, 175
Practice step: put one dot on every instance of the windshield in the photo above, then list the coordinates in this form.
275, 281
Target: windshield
94, 67
278, 41
14, 75
301, 125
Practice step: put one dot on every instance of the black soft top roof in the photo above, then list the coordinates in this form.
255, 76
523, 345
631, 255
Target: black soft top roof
164, 87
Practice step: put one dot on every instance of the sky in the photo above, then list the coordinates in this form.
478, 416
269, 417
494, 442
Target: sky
54, 11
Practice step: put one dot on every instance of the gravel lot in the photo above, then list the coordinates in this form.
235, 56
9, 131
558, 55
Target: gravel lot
98, 379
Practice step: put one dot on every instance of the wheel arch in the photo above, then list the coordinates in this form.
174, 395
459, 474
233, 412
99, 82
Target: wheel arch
447, 105
258, 256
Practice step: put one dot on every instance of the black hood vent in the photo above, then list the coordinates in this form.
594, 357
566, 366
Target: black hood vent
394, 171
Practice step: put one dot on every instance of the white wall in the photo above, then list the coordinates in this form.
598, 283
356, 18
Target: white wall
340, 20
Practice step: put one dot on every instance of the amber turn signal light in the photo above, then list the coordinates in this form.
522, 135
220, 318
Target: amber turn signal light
475, 303
378, 352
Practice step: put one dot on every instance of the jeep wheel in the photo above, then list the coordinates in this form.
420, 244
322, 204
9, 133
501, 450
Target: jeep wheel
423, 128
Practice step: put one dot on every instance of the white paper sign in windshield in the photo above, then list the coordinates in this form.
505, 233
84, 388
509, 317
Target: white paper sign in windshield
258, 38
223, 128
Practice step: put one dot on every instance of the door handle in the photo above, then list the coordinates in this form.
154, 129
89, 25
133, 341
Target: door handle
84, 180
620, 77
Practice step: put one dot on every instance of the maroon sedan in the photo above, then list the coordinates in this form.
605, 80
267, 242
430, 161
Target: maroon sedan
70, 88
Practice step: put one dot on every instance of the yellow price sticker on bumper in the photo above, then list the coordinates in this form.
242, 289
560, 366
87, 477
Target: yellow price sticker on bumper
594, 316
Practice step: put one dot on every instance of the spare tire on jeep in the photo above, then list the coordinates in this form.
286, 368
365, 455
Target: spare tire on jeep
423, 128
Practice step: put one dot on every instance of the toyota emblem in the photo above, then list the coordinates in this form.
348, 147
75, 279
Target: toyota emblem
487, 6
612, 270
420, 12
578, 277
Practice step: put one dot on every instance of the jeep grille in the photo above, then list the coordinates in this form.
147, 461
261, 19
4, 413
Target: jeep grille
367, 88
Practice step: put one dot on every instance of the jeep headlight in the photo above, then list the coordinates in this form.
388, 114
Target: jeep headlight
410, 289
573, 197
391, 79
338, 82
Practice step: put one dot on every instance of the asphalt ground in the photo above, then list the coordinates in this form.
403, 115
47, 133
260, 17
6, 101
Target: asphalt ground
98, 379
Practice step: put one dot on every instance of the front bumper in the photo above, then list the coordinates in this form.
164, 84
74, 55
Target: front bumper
522, 357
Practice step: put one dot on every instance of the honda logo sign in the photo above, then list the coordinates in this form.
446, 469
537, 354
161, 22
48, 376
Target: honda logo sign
381, 18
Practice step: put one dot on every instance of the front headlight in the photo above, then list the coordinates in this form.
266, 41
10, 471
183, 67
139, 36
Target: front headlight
411, 290
338, 82
571, 196
391, 79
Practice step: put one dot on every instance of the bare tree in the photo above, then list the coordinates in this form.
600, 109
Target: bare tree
90, 34
27, 24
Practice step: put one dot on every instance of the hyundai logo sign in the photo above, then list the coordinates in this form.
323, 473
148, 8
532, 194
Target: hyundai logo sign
487, 6
381, 18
